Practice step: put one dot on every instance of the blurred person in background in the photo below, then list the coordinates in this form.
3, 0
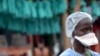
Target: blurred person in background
96, 29
41, 49
80, 30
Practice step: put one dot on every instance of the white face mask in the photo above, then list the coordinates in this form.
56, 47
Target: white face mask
88, 39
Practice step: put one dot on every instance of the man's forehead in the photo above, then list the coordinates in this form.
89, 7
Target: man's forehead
84, 22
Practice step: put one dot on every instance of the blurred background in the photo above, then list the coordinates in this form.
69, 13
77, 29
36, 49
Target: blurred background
37, 27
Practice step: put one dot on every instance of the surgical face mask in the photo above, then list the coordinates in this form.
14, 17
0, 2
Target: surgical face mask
88, 39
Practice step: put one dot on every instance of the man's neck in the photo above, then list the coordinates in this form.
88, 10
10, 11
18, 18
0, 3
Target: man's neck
79, 48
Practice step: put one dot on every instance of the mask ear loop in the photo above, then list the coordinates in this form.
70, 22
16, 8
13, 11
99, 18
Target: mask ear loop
72, 42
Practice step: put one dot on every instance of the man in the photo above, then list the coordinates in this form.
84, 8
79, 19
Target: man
79, 30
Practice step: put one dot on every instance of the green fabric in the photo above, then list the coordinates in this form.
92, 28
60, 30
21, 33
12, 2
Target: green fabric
88, 53
40, 10
36, 27
4, 5
55, 8
62, 6
95, 9
31, 17
19, 8
2, 23
1, 5
33, 10
72, 5
83, 5
57, 24
12, 7
14, 25
48, 30
26, 10
47, 9
41, 27
30, 27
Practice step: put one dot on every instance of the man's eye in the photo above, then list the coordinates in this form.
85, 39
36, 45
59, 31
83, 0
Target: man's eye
85, 29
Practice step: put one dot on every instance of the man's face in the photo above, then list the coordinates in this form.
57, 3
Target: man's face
83, 27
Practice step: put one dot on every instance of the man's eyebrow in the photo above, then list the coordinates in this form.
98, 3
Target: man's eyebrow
82, 26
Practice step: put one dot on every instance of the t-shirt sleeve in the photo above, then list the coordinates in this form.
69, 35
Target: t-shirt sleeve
95, 53
64, 54
67, 52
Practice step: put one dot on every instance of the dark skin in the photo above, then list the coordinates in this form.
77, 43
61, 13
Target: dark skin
82, 28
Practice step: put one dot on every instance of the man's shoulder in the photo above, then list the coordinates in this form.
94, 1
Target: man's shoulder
67, 52
94, 53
